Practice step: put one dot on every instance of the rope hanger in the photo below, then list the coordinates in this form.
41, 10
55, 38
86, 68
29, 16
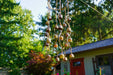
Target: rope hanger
96, 11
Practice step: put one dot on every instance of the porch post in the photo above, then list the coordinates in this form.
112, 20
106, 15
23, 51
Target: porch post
62, 68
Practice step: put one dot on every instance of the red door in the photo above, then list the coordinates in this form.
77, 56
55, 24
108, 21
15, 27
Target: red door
77, 66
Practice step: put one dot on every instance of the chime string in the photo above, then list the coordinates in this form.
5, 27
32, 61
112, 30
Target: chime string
96, 10
56, 22
56, 14
60, 42
60, 13
67, 13
65, 22
70, 48
56, 11
68, 23
68, 7
48, 3
60, 24
60, 6
59, 21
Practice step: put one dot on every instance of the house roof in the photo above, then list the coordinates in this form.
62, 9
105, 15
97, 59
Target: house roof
91, 46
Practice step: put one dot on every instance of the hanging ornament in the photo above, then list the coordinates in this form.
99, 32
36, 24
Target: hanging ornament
48, 57
49, 18
47, 22
47, 44
56, 36
67, 44
70, 39
71, 56
57, 59
61, 37
48, 40
56, 27
69, 19
60, 27
60, 16
47, 34
64, 25
48, 29
62, 56
65, 59
55, 45
69, 29
67, 34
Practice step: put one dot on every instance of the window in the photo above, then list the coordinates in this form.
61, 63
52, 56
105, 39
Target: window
76, 64
103, 61
66, 66
104, 64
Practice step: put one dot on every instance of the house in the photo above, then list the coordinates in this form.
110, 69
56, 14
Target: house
90, 59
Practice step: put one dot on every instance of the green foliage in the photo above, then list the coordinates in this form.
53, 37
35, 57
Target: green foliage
88, 25
16, 35
37, 45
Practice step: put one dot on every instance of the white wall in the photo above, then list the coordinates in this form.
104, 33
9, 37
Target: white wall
88, 65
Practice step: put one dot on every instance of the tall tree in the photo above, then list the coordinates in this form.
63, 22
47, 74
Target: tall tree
16, 34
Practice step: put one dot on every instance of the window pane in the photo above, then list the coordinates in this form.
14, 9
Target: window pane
66, 66
104, 63
76, 64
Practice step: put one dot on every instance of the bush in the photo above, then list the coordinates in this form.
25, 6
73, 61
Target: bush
39, 64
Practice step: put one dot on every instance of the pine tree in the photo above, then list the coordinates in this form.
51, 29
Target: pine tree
16, 34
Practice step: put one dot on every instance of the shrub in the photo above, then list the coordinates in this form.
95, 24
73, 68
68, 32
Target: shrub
39, 64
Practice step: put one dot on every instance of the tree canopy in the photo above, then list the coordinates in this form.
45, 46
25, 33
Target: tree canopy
16, 35
91, 22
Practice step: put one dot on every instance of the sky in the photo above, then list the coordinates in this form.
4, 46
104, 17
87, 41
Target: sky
37, 7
